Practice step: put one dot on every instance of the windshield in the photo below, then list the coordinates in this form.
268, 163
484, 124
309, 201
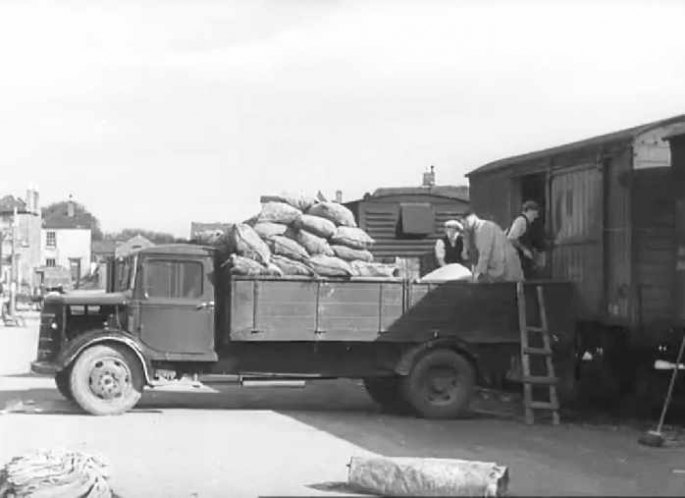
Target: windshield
125, 274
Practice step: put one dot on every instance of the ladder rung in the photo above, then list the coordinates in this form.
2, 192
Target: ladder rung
543, 405
532, 379
540, 351
536, 329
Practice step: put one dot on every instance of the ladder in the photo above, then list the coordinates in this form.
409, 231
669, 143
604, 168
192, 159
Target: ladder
549, 378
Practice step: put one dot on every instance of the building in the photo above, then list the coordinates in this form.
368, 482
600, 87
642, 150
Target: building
66, 243
405, 222
197, 228
27, 247
135, 243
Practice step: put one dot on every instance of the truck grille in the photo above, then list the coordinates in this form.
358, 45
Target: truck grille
50, 333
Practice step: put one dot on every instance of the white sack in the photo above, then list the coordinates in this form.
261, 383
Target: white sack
447, 273
316, 225
279, 212
352, 237
335, 212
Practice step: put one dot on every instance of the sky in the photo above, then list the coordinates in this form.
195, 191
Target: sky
156, 113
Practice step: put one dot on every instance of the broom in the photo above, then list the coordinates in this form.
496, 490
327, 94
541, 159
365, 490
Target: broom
656, 438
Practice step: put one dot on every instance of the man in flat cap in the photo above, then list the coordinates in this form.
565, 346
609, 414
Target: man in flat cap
450, 248
520, 235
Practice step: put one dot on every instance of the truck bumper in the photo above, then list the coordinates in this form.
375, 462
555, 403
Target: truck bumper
44, 368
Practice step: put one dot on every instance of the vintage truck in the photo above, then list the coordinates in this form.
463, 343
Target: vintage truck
174, 312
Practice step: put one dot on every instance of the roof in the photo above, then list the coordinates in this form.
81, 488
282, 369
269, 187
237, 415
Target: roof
677, 131
626, 135
448, 191
103, 246
66, 222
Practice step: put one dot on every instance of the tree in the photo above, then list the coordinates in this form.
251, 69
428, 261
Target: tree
151, 235
59, 212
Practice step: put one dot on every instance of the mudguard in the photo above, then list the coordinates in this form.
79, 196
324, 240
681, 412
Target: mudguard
80, 343
410, 356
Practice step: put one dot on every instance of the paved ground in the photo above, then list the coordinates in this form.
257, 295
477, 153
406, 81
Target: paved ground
289, 441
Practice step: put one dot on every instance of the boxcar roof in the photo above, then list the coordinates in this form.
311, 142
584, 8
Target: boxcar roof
446, 191
628, 134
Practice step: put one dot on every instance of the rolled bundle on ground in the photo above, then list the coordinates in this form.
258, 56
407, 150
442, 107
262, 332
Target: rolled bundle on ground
349, 254
291, 267
427, 477
313, 244
333, 211
279, 212
268, 229
353, 237
317, 225
285, 246
55, 474
328, 266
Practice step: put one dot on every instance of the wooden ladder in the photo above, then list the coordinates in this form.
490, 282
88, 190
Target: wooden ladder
548, 379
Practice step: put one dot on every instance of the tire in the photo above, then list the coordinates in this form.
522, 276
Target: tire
63, 383
386, 392
440, 385
106, 380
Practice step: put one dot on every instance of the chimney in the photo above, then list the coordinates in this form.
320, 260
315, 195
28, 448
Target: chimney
29, 200
338, 196
429, 178
70, 206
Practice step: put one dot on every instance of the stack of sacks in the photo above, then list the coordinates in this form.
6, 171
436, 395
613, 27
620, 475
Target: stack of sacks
299, 235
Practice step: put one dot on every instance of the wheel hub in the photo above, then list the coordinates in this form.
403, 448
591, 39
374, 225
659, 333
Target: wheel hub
441, 386
109, 378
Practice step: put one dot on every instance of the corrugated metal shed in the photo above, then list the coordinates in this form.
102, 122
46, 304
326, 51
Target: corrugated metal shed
406, 221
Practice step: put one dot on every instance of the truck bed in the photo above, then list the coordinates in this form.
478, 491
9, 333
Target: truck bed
393, 310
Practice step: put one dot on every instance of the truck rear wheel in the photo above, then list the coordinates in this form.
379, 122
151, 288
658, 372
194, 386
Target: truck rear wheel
386, 392
62, 383
440, 384
106, 380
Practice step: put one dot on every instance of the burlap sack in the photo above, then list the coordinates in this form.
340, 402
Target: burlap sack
209, 237
279, 212
312, 243
240, 265
365, 269
246, 242
284, 246
317, 225
291, 267
352, 237
296, 199
335, 212
267, 229
349, 254
328, 266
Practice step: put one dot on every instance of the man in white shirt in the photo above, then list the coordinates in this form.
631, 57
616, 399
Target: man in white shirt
520, 236
497, 258
450, 248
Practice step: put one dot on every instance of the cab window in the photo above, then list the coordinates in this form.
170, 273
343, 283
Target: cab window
173, 279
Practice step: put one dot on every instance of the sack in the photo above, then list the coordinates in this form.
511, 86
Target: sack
209, 237
317, 225
364, 269
279, 212
295, 199
328, 266
240, 265
267, 229
352, 237
349, 254
447, 273
312, 243
427, 477
335, 212
283, 246
291, 267
246, 242
272, 270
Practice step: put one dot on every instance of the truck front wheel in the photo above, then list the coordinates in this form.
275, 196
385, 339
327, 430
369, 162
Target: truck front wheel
106, 380
386, 392
62, 383
440, 384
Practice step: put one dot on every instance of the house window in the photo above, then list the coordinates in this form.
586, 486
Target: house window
50, 262
173, 279
416, 219
51, 239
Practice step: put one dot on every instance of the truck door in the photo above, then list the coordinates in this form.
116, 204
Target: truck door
177, 308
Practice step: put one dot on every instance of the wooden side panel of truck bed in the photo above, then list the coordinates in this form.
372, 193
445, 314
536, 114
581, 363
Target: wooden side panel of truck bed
387, 310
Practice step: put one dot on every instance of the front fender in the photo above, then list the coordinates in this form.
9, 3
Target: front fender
409, 357
80, 343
